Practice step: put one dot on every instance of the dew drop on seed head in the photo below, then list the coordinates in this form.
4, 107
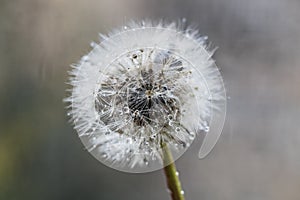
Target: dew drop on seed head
188, 33
146, 161
104, 155
85, 58
192, 135
182, 192
183, 20
125, 27
153, 137
93, 44
206, 129
177, 129
177, 173
126, 109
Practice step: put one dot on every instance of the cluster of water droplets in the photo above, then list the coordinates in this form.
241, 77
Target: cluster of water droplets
140, 102
145, 96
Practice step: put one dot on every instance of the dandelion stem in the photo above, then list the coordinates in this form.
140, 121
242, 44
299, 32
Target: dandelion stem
171, 174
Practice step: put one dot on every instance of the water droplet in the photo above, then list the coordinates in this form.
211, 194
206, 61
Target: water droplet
128, 141
170, 117
104, 155
183, 20
68, 114
206, 129
177, 129
146, 161
126, 109
153, 137
177, 173
192, 135
85, 58
125, 27
182, 192
93, 44
188, 33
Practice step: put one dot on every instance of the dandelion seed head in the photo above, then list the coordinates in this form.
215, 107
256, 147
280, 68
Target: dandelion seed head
142, 85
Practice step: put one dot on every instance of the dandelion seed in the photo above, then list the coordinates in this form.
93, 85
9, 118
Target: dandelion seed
142, 85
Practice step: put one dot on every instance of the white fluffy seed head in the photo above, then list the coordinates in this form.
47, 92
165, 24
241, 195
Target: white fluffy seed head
143, 85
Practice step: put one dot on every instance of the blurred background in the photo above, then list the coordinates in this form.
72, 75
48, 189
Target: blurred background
257, 156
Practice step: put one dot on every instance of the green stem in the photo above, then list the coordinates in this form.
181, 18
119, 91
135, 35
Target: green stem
172, 177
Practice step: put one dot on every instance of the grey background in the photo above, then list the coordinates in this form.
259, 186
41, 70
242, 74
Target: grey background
257, 156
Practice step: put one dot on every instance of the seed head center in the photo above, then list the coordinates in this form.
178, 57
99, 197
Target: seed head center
149, 93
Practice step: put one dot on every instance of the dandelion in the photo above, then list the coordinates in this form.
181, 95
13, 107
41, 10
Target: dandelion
141, 95
141, 86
